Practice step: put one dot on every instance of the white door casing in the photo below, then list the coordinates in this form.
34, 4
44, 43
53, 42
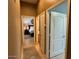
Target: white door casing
57, 34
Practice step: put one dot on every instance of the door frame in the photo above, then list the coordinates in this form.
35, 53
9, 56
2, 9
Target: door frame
62, 14
68, 40
50, 30
68, 50
22, 33
44, 12
23, 30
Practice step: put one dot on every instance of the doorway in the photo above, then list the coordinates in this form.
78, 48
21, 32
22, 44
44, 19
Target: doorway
28, 30
57, 35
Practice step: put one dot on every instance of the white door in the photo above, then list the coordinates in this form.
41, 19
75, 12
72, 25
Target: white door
57, 34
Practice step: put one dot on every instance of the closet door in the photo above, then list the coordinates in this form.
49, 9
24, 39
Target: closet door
57, 34
42, 31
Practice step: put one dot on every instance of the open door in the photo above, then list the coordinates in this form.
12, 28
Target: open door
57, 33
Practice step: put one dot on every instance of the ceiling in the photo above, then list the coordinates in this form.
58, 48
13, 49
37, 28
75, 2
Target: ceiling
30, 1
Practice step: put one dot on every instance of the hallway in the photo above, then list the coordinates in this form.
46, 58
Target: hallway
33, 52
41, 34
28, 41
40, 28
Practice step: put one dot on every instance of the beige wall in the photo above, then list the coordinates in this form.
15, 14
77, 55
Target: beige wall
42, 30
45, 4
33, 10
28, 9
14, 24
14, 32
37, 29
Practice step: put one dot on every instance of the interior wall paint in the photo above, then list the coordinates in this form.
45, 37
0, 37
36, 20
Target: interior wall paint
27, 20
37, 29
45, 4
14, 30
42, 20
62, 8
28, 9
